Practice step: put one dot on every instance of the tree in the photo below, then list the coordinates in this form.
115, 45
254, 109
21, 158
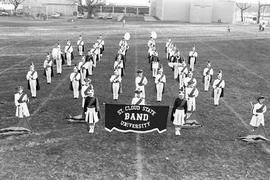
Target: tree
16, 3
243, 7
90, 6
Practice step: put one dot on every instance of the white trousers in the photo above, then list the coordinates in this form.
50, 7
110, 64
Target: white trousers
159, 87
80, 50
191, 104
179, 117
154, 68
181, 81
115, 88
91, 116
48, 74
68, 59
192, 60
75, 85
58, 66
206, 82
217, 93
258, 120
22, 110
33, 87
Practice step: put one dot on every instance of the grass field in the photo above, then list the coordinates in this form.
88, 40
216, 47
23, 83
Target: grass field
60, 150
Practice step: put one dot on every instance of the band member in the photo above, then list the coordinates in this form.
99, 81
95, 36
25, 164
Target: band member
190, 80
119, 66
151, 51
140, 82
122, 51
168, 44
91, 109
80, 46
160, 81
172, 53
75, 77
96, 53
33, 83
207, 76
182, 74
258, 113
69, 53
176, 61
90, 57
191, 95
21, 100
192, 58
218, 88
58, 59
116, 84
123, 44
48, 69
179, 112
155, 63
151, 43
138, 99
101, 42
85, 68
86, 85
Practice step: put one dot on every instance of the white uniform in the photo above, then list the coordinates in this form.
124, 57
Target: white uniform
68, 51
193, 56
155, 66
139, 86
84, 68
160, 81
151, 43
217, 88
48, 70
56, 54
182, 72
176, 66
207, 75
80, 44
32, 76
115, 80
138, 101
258, 115
191, 94
75, 81
118, 65
189, 80
21, 106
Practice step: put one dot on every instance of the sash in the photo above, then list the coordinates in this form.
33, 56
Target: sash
260, 110
74, 78
139, 101
33, 73
48, 62
68, 47
116, 77
88, 88
141, 82
82, 67
208, 71
193, 54
181, 104
91, 102
160, 78
80, 43
182, 71
116, 67
191, 94
219, 83
190, 81
20, 100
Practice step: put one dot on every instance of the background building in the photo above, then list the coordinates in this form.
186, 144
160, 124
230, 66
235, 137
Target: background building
194, 11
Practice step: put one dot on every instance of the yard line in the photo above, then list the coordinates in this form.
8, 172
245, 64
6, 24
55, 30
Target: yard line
139, 157
239, 64
11, 67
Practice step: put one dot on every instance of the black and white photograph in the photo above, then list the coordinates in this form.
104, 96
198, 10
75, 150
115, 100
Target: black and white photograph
134, 89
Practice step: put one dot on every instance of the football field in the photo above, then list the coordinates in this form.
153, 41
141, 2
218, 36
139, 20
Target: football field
60, 150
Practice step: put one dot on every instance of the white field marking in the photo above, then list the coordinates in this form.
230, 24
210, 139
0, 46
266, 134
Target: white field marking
139, 157
11, 67
21, 54
231, 108
239, 64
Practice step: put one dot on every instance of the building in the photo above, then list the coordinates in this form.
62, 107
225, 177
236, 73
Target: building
49, 7
194, 11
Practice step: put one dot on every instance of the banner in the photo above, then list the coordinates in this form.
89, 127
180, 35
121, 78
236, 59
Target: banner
135, 118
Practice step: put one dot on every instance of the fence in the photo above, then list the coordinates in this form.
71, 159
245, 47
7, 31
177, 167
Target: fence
137, 11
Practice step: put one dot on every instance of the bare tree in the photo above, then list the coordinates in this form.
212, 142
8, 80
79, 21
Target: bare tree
90, 6
16, 4
243, 7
